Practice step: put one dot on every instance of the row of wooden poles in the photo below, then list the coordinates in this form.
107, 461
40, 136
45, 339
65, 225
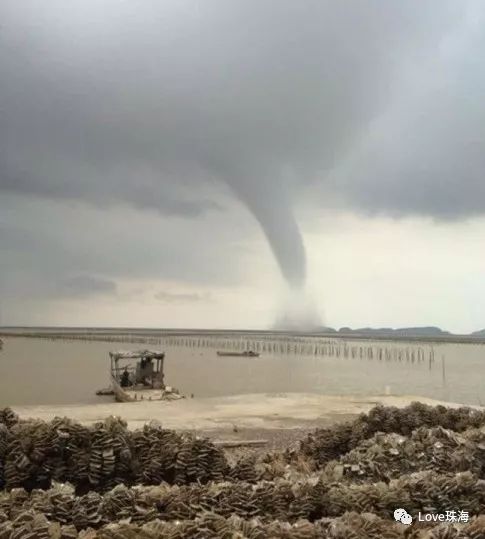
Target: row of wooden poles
272, 344
309, 347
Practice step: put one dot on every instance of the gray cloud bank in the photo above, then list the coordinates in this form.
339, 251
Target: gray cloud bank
158, 104
44, 245
86, 285
180, 297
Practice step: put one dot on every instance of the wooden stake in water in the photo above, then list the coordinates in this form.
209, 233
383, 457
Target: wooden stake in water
443, 373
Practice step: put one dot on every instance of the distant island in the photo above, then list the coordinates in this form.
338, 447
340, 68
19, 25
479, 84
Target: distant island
420, 331
426, 331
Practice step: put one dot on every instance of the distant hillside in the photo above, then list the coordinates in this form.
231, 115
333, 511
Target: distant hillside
479, 333
430, 331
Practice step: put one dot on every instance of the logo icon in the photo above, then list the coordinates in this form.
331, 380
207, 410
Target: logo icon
401, 515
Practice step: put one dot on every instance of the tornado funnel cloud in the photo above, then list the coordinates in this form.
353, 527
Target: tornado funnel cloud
275, 216
274, 213
286, 242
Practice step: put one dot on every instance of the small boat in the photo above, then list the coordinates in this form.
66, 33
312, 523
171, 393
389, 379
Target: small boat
246, 353
105, 391
143, 381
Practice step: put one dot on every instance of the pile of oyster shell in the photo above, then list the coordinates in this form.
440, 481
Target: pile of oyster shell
35, 453
63, 480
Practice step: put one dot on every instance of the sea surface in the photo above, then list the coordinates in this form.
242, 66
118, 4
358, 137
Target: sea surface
41, 371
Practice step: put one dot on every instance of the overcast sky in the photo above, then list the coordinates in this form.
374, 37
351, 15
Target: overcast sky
212, 163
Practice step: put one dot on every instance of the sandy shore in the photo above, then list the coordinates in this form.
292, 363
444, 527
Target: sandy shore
254, 411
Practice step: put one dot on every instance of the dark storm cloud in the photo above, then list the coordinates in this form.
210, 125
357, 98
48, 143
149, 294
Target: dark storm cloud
425, 154
154, 103
143, 196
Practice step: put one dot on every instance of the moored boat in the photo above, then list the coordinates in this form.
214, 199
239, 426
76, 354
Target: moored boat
246, 353
142, 381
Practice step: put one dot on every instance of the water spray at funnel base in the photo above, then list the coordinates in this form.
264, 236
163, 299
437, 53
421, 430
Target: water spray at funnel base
298, 312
